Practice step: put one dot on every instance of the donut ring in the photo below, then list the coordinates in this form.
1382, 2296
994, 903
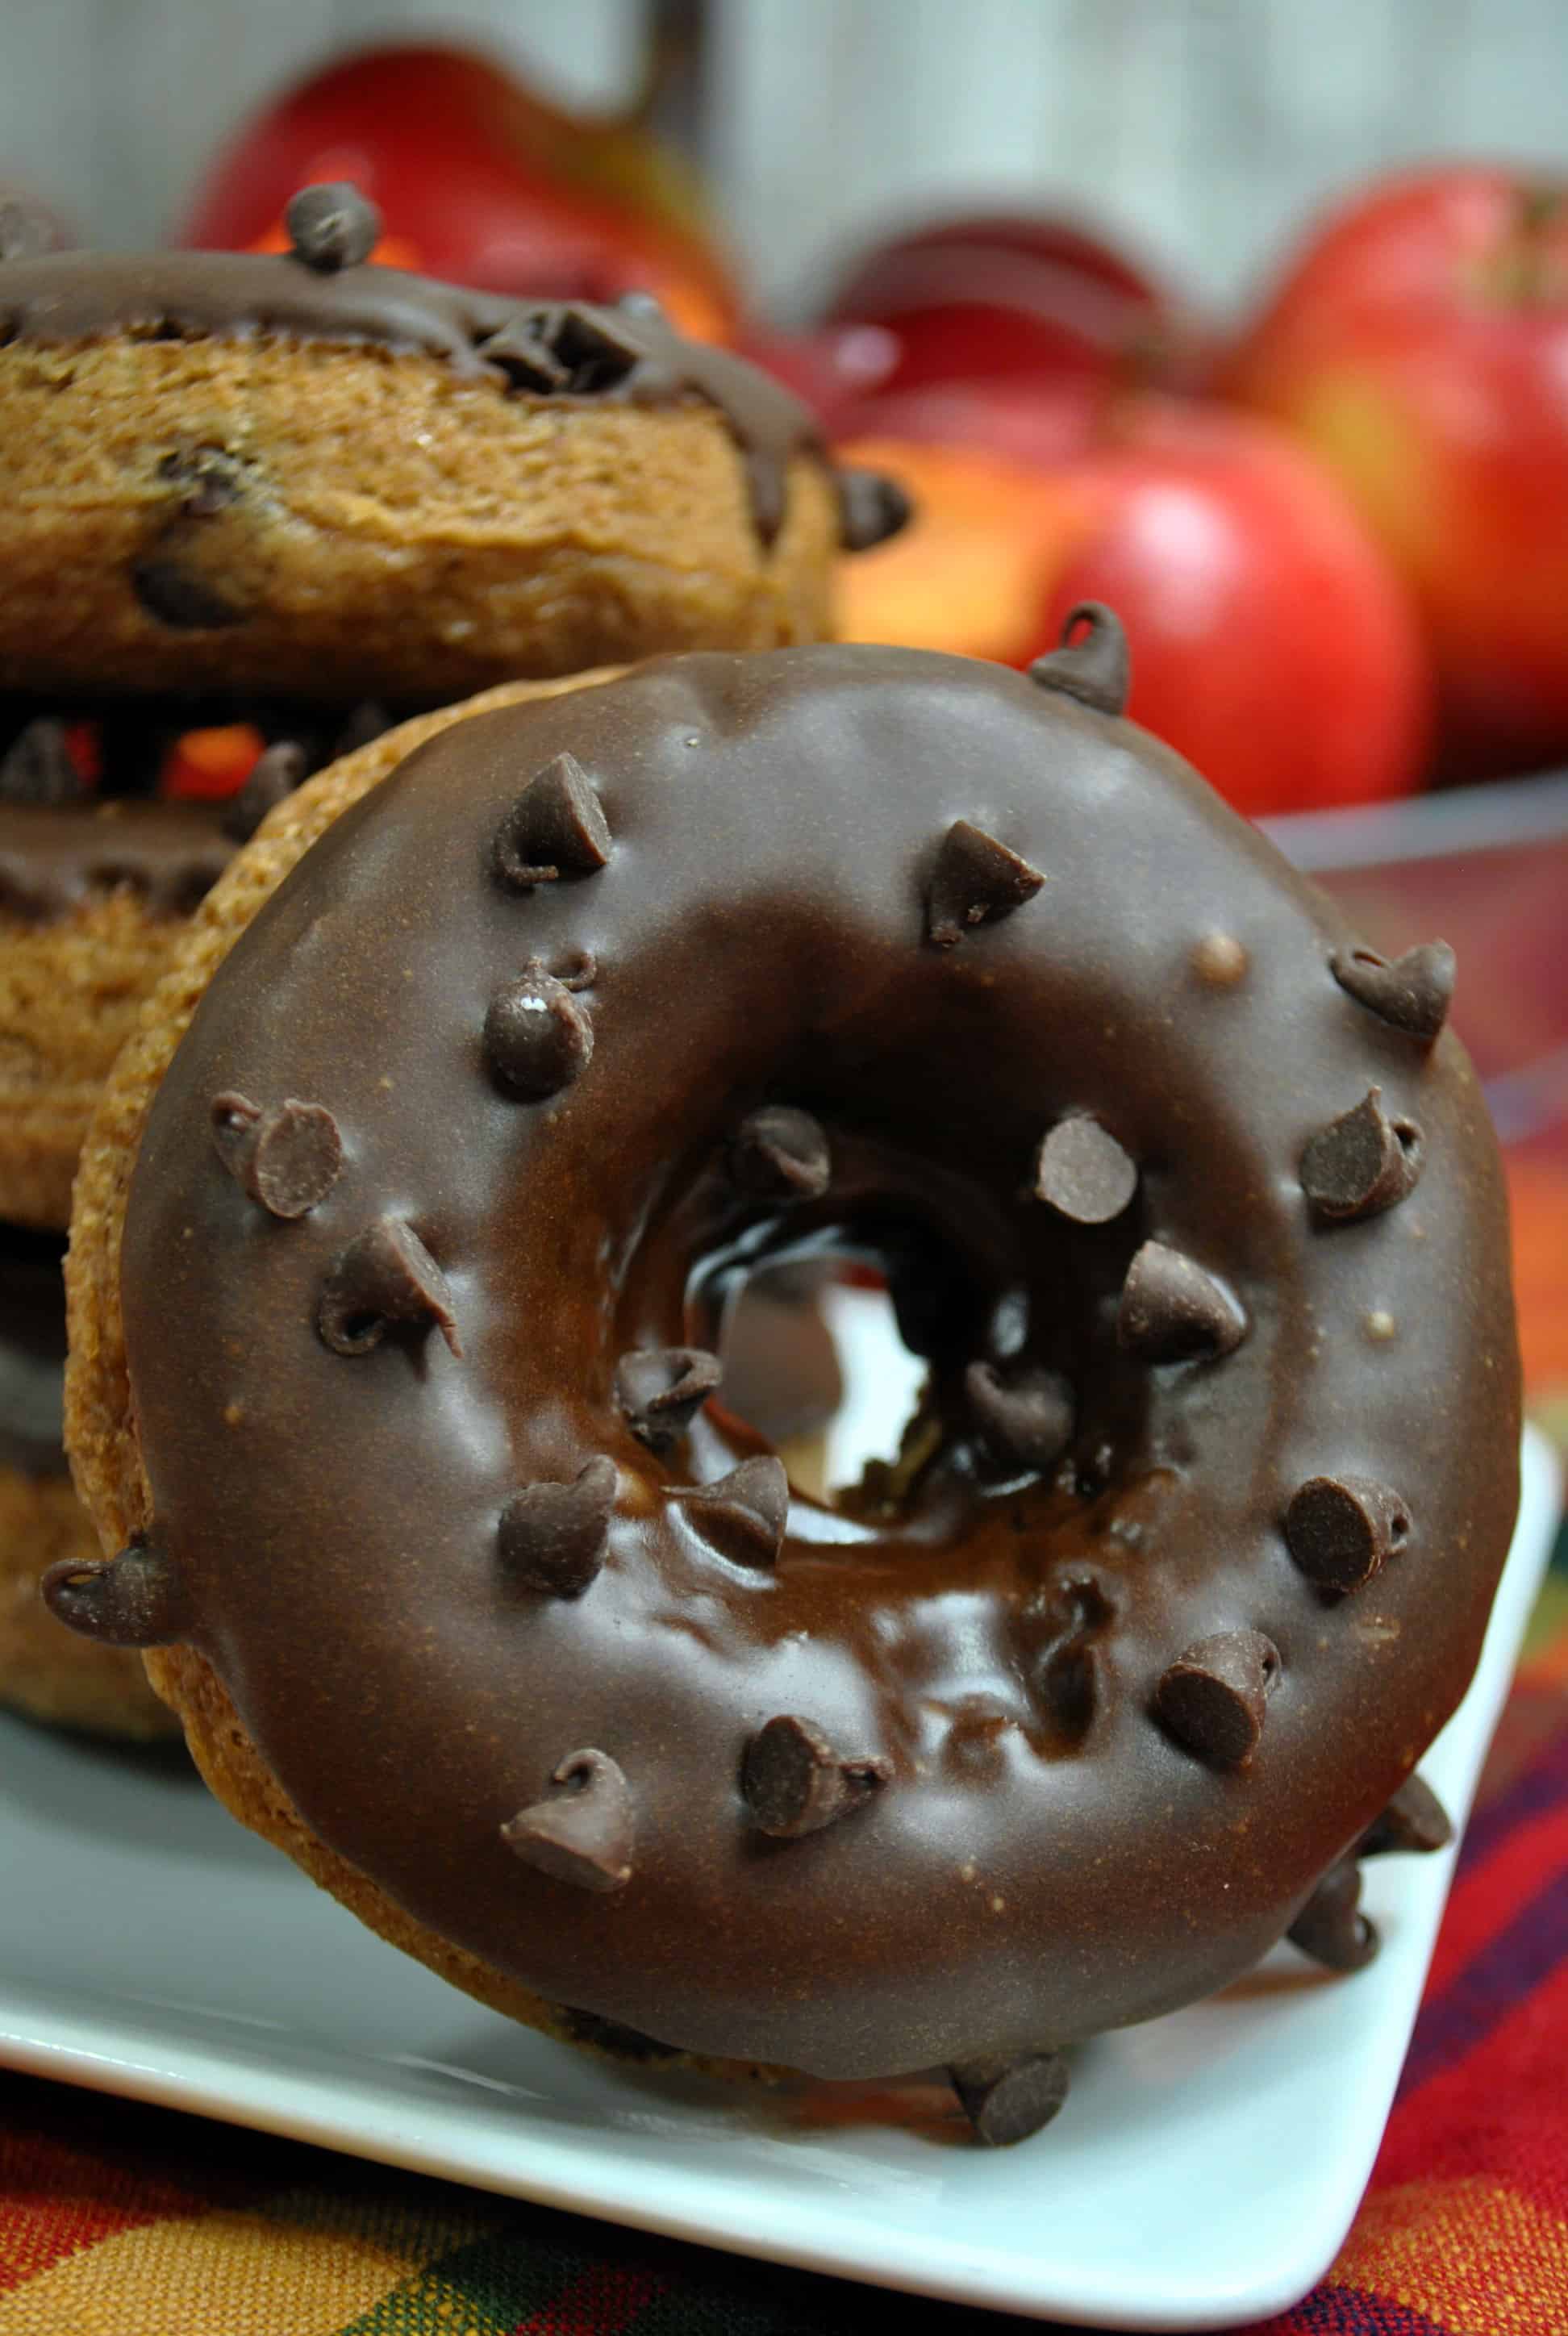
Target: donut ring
229, 470
470, 1596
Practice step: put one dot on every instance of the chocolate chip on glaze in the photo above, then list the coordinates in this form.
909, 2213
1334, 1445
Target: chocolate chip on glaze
1414, 1819
525, 356
557, 828
38, 766
537, 1038
1331, 1927
1172, 1310
794, 1781
553, 1537
584, 1831
1068, 1683
136, 1600
1411, 993
332, 226
976, 882
1007, 2101
1361, 1163
661, 1389
384, 1278
288, 1158
872, 508
745, 1514
1096, 669
275, 775
1083, 1173
1341, 1529
1026, 1419
782, 1154
1213, 1699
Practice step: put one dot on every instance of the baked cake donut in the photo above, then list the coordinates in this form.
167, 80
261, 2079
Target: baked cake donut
448, 1154
304, 472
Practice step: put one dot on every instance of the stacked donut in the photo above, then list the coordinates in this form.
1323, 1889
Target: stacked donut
251, 509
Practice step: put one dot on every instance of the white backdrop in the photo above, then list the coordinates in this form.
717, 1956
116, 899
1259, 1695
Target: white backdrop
1200, 127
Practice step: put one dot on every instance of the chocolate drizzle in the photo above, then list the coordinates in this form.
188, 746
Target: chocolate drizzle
1026, 1841
170, 854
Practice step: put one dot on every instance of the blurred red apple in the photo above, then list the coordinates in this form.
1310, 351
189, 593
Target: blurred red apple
832, 370
478, 181
993, 296
1271, 642
1420, 344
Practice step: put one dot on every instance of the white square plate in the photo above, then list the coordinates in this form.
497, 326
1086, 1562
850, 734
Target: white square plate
1205, 2171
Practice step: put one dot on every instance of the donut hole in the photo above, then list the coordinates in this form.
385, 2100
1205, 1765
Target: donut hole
813, 1360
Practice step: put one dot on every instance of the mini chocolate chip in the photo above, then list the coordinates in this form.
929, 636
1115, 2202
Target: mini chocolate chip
1219, 961
1083, 1171
598, 351
386, 1276
1027, 1420
38, 766
872, 508
369, 721
976, 882
1411, 993
556, 828
1097, 669
1361, 1163
182, 601
553, 1537
793, 1782
781, 1154
289, 1158
137, 1600
1212, 1699
661, 1389
745, 1514
1414, 1819
537, 1038
275, 775
1172, 1310
1340, 1529
332, 226
524, 356
1009, 2100
1331, 1927
584, 1831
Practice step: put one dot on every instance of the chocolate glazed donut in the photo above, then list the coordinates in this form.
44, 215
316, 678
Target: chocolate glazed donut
1191, 1206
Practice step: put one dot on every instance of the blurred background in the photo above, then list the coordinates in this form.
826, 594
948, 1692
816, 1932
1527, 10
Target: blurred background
1248, 317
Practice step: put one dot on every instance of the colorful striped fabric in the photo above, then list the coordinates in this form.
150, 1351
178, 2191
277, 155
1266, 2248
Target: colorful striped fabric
117, 2220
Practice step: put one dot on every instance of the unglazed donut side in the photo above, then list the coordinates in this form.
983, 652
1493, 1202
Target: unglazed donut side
1206, 1033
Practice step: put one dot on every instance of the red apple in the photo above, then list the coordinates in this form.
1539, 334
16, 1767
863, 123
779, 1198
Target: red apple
832, 370
1040, 297
478, 181
1271, 642
1419, 343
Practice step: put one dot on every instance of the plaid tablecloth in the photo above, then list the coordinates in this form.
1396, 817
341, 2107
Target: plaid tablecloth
118, 2220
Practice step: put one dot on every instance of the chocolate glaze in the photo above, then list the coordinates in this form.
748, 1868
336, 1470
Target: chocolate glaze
178, 295
1041, 1859
32, 1351
51, 861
